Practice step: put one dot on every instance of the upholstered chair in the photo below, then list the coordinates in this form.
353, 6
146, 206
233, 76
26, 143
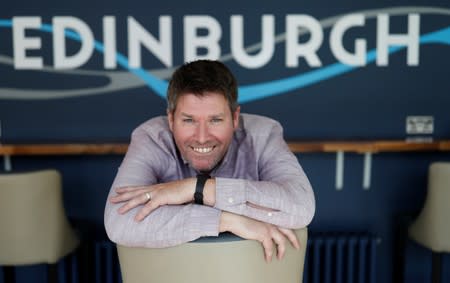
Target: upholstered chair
222, 259
34, 228
431, 229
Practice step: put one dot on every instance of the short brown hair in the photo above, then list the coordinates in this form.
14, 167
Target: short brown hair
202, 76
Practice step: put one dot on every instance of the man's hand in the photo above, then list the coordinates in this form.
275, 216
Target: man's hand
266, 234
154, 196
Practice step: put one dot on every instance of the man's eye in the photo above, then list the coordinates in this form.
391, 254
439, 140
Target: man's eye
216, 120
188, 120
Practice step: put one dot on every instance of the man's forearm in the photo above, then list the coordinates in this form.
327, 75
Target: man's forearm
167, 226
270, 236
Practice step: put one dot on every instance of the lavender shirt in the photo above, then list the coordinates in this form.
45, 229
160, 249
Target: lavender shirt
258, 168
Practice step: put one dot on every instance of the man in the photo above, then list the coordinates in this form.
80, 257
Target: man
205, 169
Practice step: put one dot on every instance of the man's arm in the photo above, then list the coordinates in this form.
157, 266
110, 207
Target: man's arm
180, 192
157, 235
166, 226
286, 200
265, 233
282, 195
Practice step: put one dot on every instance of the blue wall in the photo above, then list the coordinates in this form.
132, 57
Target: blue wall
364, 102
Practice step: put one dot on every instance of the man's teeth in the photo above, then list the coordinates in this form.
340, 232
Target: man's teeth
203, 149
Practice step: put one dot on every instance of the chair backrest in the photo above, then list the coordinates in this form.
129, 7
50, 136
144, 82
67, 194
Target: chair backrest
218, 260
33, 224
431, 228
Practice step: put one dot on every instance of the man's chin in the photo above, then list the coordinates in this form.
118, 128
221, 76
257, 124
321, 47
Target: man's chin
202, 167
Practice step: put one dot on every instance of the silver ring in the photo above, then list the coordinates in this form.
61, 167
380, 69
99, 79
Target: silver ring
148, 196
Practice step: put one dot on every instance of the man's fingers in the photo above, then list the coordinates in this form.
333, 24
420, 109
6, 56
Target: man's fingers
268, 249
146, 210
281, 250
290, 234
280, 241
130, 204
265, 233
129, 189
134, 200
126, 195
274, 236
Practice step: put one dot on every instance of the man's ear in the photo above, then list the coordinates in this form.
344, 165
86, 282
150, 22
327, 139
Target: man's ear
170, 119
236, 114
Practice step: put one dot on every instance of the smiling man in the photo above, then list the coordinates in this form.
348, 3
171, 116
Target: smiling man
206, 168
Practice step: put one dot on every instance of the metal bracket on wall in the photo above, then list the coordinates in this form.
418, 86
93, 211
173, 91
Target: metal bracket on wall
367, 170
7, 163
339, 170
339, 180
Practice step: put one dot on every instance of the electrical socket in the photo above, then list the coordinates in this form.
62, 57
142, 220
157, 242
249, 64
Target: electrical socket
419, 125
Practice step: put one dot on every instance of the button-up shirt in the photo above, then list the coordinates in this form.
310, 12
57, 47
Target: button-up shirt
257, 169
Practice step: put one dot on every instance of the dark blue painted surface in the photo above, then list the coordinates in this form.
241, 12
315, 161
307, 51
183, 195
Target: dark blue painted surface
371, 102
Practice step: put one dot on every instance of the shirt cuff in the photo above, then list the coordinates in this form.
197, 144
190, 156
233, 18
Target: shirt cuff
230, 193
203, 221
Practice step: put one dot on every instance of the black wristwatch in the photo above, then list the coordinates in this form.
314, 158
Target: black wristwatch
199, 186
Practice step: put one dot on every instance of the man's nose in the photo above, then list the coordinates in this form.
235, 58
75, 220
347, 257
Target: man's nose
202, 132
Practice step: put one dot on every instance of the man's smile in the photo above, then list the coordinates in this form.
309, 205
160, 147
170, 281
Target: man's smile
203, 149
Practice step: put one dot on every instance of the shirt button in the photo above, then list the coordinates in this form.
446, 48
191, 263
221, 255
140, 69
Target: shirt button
269, 214
230, 200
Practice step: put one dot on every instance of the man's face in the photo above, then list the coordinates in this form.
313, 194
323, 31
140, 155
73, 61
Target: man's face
203, 128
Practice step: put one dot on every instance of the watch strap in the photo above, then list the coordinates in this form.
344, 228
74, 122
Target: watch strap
199, 186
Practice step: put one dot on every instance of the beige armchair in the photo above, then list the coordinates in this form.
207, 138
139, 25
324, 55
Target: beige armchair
220, 260
431, 228
34, 227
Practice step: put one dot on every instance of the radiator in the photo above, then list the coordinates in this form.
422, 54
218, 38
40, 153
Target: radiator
107, 267
340, 258
97, 262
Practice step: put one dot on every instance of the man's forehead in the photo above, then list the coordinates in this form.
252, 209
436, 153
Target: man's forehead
209, 104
